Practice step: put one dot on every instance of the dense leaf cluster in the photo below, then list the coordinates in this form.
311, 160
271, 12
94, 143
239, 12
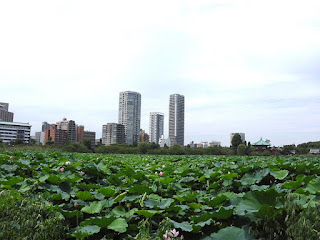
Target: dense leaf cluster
133, 196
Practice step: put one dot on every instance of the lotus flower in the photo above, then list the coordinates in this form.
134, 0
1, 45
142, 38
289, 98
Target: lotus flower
68, 162
62, 169
160, 173
163, 166
173, 233
11, 157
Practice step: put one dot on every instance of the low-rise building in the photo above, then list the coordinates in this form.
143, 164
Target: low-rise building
261, 145
12, 131
91, 136
144, 137
113, 133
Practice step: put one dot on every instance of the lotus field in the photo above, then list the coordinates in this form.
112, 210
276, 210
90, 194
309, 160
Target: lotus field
170, 197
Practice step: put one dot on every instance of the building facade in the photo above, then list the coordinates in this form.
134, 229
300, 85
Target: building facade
91, 136
176, 119
80, 132
56, 135
130, 115
12, 131
113, 133
5, 115
144, 137
156, 124
70, 127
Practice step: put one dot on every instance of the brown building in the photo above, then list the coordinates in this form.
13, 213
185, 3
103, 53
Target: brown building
144, 137
58, 136
80, 132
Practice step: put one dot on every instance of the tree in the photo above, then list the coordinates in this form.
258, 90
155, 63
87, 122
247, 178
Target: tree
241, 150
236, 141
87, 143
176, 149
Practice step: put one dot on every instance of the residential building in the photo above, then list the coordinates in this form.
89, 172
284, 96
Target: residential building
37, 137
45, 126
80, 132
243, 136
91, 136
130, 115
5, 115
144, 137
176, 119
12, 131
56, 135
156, 126
164, 142
70, 127
113, 133
215, 144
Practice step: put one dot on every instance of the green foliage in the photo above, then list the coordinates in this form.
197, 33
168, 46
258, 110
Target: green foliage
27, 217
176, 149
105, 196
236, 141
292, 222
241, 149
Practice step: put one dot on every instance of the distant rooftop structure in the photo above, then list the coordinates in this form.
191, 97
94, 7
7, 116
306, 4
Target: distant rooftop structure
261, 143
314, 151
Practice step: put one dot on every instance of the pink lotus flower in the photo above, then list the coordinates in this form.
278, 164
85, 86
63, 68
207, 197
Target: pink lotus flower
215, 158
163, 166
11, 157
160, 173
212, 198
68, 163
156, 173
182, 237
75, 204
173, 233
80, 172
7, 151
62, 169
148, 165
198, 164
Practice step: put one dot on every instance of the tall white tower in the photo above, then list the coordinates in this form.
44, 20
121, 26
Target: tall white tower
176, 119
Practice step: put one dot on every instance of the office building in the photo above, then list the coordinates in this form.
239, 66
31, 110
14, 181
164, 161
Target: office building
45, 126
12, 131
113, 133
5, 115
176, 119
130, 115
156, 126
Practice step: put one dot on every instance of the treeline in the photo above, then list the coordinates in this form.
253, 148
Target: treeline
237, 148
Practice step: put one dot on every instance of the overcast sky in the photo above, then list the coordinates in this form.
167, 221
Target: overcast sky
243, 66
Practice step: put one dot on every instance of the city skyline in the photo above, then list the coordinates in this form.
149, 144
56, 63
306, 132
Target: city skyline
249, 66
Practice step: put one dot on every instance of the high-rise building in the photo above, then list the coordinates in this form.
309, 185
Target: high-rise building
156, 126
70, 127
113, 133
176, 119
144, 137
129, 115
5, 115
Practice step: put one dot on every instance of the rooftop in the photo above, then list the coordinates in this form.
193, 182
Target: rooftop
15, 124
261, 143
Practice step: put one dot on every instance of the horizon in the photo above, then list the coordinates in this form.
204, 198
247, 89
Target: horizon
246, 66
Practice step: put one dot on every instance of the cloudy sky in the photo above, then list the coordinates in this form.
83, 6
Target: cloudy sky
243, 66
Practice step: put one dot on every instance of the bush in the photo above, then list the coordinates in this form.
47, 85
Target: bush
27, 217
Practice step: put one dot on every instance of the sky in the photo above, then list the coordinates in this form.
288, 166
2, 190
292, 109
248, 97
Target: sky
243, 66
